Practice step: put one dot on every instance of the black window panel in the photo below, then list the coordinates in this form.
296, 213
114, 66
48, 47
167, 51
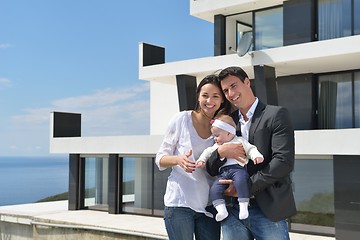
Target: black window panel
347, 196
296, 94
219, 35
295, 31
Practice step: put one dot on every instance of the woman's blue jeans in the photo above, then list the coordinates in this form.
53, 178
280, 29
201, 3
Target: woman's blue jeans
256, 226
184, 223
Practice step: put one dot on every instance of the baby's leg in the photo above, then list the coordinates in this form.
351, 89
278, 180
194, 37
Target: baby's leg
216, 195
222, 212
240, 179
243, 210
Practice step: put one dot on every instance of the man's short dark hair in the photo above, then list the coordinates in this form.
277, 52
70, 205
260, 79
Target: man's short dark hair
233, 71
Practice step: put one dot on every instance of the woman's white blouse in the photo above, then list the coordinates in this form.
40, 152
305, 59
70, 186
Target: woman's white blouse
185, 189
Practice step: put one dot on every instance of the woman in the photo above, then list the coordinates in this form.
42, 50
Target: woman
187, 190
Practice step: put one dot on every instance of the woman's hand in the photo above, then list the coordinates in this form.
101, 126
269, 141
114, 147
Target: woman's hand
185, 163
230, 191
233, 150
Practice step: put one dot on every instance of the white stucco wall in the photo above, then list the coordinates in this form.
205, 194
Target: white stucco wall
163, 104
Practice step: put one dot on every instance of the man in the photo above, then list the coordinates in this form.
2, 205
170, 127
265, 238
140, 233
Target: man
269, 128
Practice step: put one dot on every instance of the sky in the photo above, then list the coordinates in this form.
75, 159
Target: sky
81, 56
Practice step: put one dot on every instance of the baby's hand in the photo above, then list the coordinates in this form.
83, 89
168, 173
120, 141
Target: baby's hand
258, 160
200, 164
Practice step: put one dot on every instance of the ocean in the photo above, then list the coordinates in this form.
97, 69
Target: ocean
29, 179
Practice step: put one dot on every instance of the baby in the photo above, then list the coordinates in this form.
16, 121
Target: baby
224, 131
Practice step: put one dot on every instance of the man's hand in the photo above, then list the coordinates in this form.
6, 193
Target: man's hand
230, 191
233, 150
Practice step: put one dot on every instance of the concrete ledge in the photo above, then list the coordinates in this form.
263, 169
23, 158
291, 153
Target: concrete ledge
52, 220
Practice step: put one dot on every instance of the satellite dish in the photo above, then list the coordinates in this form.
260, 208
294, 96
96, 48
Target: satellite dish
245, 43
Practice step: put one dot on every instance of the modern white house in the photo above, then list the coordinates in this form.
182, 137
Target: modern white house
301, 54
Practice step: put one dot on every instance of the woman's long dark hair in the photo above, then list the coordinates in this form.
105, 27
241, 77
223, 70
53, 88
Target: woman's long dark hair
225, 107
